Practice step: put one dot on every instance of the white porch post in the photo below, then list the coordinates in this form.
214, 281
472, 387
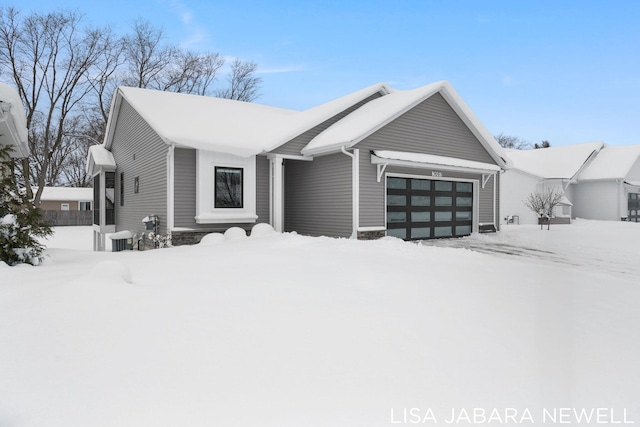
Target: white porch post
276, 199
103, 211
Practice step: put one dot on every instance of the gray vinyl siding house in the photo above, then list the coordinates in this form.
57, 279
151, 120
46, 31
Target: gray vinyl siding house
318, 196
142, 158
432, 127
411, 164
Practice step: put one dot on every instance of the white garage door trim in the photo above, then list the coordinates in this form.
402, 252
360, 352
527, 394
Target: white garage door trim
476, 193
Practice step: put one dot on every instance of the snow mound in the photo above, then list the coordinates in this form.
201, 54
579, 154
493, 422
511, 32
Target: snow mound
212, 239
235, 233
262, 229
390, 239
111, 271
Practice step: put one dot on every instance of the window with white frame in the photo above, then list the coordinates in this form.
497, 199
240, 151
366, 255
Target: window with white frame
228, 187
225, 188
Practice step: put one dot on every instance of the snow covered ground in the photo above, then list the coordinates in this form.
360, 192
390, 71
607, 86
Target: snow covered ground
288, 330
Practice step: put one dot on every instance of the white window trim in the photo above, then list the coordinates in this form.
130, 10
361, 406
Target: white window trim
206, 212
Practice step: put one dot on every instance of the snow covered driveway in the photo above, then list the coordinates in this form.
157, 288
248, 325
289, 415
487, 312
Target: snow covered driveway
589, 244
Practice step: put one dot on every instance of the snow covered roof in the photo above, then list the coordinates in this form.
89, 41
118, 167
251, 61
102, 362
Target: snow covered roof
13, 122
66, 193
379, 112
554, 162
612, 162
229, 126
246, 129
430, 159
99, 158
205, 122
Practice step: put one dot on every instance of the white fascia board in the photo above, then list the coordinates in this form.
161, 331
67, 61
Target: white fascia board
111, 120
430, 165
336, 147
475, 125
225, 218
289, 157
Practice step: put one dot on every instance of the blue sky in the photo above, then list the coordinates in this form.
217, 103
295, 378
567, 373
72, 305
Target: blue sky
565, 71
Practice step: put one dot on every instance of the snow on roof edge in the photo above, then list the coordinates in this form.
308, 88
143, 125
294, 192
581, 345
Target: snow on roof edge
309, 149
99, 158
348, 101
422, 93
486, 138
561, 162
612, 162
12, 113
435, 159
66, 193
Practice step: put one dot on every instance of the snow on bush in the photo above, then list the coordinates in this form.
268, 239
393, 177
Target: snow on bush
20, 220
212, 239
234, 233
262, 229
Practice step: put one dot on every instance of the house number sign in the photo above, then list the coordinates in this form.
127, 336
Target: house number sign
436, 173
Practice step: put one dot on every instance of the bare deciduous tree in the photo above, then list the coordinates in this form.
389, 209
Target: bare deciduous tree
543, 144
66, 76
146, 56
514, 142
48, 57
243, 84
543, 203
74, 170
104, 81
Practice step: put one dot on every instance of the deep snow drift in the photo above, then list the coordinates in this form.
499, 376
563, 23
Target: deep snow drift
287, 330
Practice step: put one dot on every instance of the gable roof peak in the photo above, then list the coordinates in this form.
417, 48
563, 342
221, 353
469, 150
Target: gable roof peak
378, 113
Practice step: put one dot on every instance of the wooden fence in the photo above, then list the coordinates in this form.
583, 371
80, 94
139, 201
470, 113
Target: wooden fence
65, 218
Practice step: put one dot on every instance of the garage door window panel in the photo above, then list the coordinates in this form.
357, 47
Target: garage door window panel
426, 209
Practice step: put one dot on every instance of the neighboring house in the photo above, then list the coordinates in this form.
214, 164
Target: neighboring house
66, 199
13, 122
61, 206
539, 170
415, 164
609, 188
599, 181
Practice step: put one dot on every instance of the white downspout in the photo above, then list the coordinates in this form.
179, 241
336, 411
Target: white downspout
496, 220
355, 189
170, 188
103, 210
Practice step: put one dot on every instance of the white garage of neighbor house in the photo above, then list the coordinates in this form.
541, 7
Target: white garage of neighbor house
609, 188
66, 198
415, 164
539, 170
62, 206
598, 181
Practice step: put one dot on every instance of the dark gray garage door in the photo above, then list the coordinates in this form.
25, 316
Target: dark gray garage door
428, 209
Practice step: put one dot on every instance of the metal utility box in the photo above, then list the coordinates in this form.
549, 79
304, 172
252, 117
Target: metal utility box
122, 240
